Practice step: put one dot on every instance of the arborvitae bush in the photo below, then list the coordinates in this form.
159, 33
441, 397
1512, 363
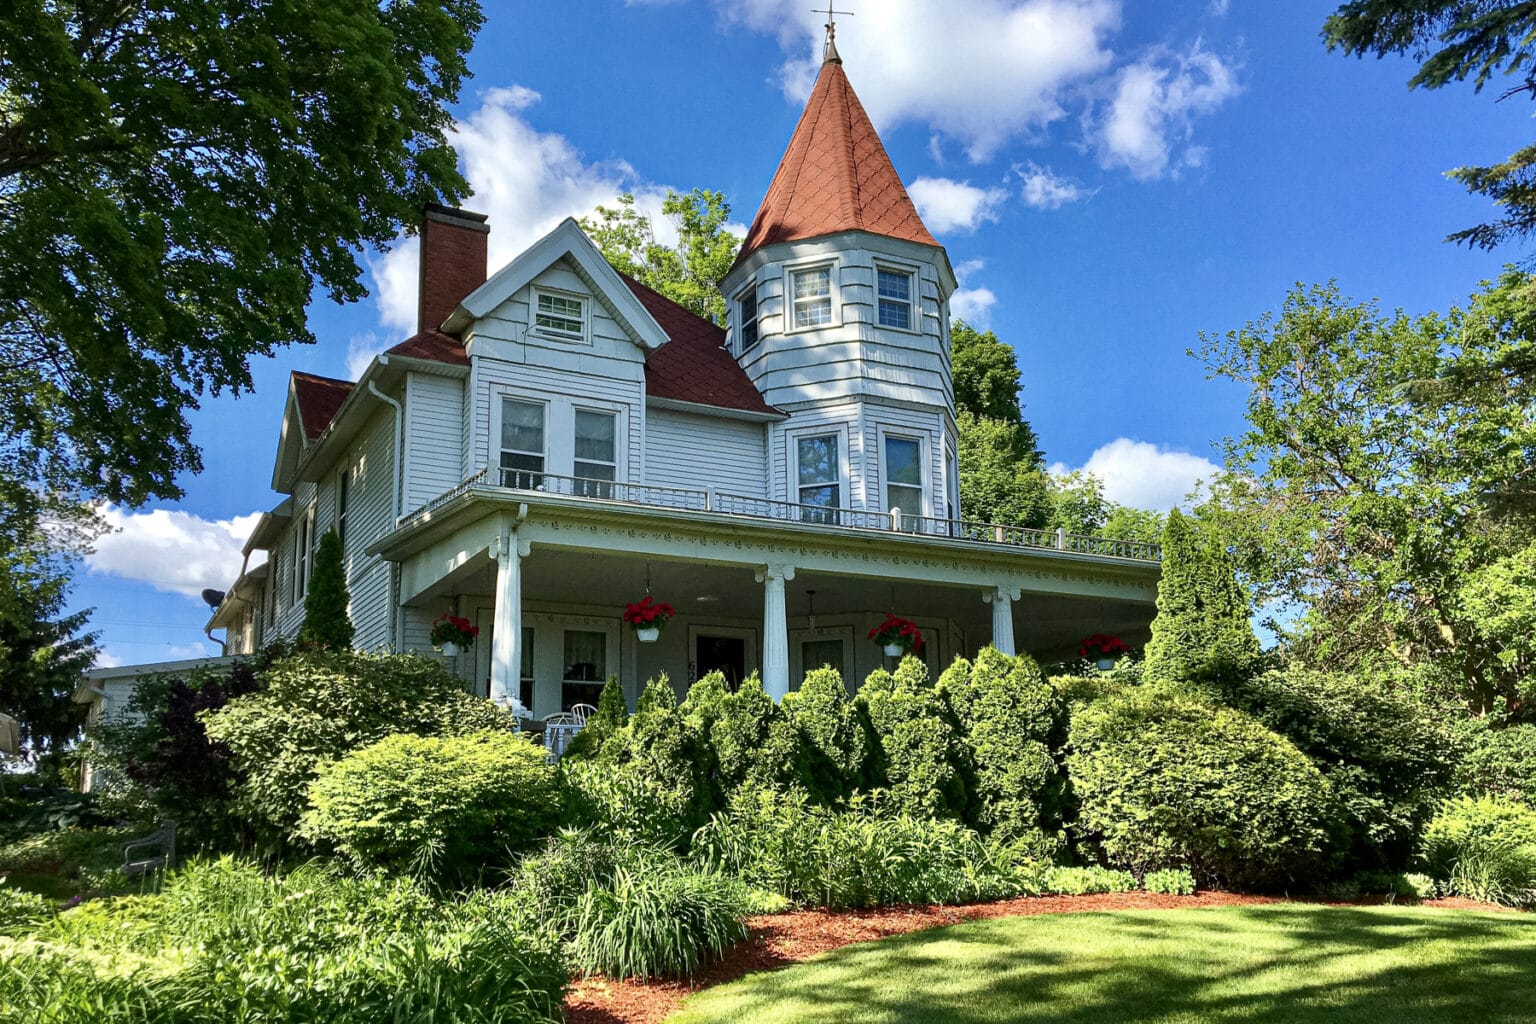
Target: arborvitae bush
1201, 634
1165, 780
320, 705
705, 701
748, 751
831, 746
660, 746
1009, 715
612, 715
441, 807
920, 756
1389, 760
325, 604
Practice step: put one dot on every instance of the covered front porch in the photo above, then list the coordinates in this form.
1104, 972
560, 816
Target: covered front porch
546, 578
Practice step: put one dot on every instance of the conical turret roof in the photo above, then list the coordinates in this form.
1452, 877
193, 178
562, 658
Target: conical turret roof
835, 176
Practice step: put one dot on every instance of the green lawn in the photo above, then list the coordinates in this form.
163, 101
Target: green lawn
1289, 963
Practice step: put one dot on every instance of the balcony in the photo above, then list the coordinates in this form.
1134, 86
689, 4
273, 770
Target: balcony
713, 502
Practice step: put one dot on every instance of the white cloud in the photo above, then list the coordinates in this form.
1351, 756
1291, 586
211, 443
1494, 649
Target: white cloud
1152, 113
185, 652
949, 205
525, 181
1045, 190
980, 72
361, 348
1219, 8
1145, 475
171, 550
105, 660
973, 305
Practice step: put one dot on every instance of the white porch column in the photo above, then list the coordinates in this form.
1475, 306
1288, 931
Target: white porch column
507, 626
1002, 599
775, 629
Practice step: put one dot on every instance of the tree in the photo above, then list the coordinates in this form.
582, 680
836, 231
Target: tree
688, 274
176, 181
1456, 40
1201, 634
996, 486
326, 623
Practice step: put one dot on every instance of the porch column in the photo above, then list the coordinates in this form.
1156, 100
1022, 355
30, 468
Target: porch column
775, 629
507, 625
1002, 599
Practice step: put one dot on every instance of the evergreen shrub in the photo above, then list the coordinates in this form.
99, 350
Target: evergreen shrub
1008, 714
657, 758
1484, 848
1166, 780
1202, 633
831, 747
326, 602
320, 705
919, 756
750, 747
445, 807
1502, 763
622, 800
612, 715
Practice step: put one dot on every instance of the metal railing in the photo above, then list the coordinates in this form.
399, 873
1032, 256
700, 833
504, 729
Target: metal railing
710, 500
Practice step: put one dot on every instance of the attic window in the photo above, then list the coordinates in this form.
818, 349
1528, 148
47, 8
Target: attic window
561, 314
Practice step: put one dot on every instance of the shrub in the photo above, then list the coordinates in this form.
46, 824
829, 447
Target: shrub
442, 806
919, 755
319, 706
224, 942
864, 856
624, 800
1008, 713
705, 701
326, 623
1484, 848
612, 715
1088, 880
748, 750
657, 919
552, 880
1173, 881
659, 748
20, 910
1388, 761
1202, 633
831, 748
1165, 780
1080, 691
1502, 763
1419, 886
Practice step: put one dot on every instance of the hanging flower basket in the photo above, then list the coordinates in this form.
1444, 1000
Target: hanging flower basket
452, 634
897, 636
649, 617
1103, 650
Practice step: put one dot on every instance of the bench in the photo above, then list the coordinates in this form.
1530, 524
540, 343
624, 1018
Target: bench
155, 852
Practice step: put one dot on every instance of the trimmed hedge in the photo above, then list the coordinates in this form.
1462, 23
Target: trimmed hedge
441, 806
1166, 781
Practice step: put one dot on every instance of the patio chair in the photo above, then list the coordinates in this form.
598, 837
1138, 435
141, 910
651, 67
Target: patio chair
559, 730
582, 712
154, 852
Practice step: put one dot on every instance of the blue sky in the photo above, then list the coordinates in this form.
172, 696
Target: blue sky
1111, 177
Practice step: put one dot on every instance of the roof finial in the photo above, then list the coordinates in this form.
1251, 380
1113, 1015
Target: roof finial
829, 54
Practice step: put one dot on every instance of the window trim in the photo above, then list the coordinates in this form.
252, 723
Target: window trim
810, 267
582, 337
502, 398
913, 303
303, 554
742, 345
924, 471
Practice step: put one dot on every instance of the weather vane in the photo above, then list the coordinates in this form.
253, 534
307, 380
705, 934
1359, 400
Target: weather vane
832, 13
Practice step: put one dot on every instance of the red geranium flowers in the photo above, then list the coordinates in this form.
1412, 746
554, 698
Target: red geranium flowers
901, 632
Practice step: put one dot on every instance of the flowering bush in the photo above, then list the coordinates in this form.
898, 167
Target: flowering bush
454, 629
895, 630
1101, 645
648, 613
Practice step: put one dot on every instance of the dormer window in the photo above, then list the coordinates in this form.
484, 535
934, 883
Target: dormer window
894, 289
561, 315
812, 297
746, 316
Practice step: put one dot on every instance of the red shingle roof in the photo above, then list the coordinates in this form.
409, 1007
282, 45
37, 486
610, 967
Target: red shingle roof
318, 399
433, 345
835, 176
694, 365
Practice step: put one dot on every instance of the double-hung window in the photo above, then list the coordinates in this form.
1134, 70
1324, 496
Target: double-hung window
343, 498
812, 297
895, 297
522, 444
904, 477
819, 476
564, 315
596, 460
586, 667
746, 316
303, 551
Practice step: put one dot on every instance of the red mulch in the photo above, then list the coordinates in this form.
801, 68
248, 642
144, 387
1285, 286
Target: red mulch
778, 940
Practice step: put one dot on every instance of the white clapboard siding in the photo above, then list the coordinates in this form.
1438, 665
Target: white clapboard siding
688, 450
371, 516
434, 439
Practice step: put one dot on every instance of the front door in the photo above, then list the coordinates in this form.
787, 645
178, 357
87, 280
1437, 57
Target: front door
724, 654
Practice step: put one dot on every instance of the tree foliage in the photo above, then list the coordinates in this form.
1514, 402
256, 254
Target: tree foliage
1201, 634
326, 621
918, 754
687, 273
1457, 40
176, 181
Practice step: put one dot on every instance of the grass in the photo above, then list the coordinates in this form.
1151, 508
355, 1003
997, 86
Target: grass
1282, 964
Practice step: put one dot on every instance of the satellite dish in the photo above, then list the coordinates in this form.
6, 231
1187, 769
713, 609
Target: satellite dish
213, 597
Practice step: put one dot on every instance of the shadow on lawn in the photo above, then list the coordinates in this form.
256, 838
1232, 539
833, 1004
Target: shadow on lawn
1268, 965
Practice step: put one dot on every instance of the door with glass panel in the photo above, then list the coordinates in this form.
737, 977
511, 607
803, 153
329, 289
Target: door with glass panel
819, 478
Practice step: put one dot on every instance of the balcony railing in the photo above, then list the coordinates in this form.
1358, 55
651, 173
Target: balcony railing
711, 500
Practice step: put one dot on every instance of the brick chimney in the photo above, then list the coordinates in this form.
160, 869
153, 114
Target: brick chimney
452, 261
